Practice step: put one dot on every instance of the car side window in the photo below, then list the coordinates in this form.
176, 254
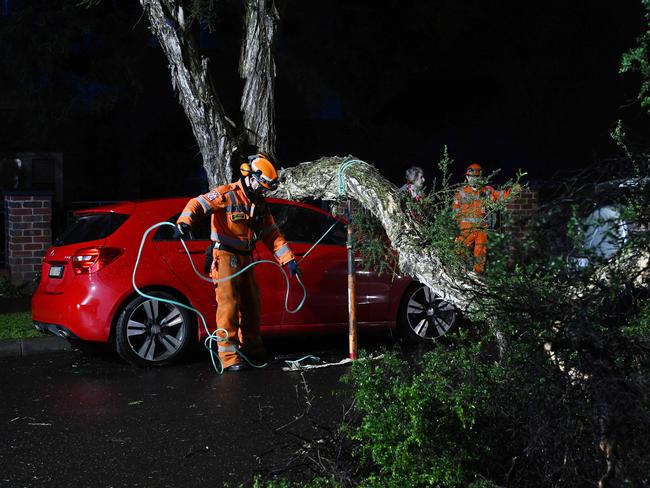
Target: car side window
200, 230
300, 224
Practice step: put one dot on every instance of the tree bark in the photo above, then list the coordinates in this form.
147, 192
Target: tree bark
192, 82
257, 68
320, 179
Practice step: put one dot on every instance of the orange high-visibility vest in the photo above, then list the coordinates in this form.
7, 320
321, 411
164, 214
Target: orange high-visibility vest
469, 205
237, 222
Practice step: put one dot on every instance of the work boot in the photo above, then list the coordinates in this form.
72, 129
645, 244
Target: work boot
237, 367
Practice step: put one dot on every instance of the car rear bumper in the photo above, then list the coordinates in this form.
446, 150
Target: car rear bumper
78, 311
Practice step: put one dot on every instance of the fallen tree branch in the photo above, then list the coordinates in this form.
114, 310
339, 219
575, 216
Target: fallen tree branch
416, 258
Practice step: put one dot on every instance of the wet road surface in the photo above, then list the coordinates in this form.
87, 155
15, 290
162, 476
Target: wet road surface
81, 420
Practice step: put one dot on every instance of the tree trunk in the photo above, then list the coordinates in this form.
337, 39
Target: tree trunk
192, 82
320, 179
257, 67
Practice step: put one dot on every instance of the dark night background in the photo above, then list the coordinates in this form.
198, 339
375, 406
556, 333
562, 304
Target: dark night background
531, 85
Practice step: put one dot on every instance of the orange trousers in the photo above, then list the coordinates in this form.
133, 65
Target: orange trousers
475, 240
238, 309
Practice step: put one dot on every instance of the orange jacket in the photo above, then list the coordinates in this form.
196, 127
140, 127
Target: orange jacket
237, 222
469, 205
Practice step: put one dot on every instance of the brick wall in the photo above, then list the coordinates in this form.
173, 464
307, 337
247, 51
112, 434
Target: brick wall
522, 210
28, 231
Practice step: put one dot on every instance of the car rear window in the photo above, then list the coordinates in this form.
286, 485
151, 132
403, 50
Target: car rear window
90, 227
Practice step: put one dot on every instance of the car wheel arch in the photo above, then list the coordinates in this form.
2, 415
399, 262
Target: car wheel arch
126, 300
406, 293
402, 327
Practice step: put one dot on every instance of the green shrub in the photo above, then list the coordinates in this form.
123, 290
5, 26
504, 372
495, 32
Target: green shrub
418, 425
17, 325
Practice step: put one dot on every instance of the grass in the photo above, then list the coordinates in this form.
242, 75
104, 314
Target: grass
17, 325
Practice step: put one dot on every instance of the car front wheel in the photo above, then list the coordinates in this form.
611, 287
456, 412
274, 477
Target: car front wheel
423, 315
153, 333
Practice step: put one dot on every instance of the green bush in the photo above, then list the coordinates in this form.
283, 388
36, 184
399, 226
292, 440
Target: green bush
418, 425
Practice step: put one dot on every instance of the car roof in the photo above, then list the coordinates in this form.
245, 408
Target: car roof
117, 207
128, 207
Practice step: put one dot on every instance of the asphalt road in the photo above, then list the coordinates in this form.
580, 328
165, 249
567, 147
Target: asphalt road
81, 420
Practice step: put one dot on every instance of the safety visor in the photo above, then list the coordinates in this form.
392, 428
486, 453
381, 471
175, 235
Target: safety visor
265, 181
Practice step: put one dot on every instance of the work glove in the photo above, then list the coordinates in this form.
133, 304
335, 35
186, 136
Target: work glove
293, 268
182, 231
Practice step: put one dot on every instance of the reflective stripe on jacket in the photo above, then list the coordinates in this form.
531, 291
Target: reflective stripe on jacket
469, 204
237, 222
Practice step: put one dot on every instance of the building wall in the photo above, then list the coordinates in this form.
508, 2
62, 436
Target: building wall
522, 211
28, 230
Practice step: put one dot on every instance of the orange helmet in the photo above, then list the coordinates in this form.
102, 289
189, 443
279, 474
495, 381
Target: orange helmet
474, 169
261, 168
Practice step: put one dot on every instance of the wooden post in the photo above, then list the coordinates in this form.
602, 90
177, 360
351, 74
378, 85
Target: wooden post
352, 296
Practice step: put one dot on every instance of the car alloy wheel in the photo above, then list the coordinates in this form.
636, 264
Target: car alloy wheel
152, 332
425, 316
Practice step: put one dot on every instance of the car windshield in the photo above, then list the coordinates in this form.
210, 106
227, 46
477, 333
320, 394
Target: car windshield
91, 227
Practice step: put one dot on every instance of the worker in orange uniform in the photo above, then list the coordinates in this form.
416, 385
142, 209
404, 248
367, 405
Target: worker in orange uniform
471, 213
240, 216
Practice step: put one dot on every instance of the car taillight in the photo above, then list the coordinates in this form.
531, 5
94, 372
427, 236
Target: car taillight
92, 259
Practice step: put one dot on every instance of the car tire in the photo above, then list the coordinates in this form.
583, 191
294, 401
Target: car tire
423, 316
150, 332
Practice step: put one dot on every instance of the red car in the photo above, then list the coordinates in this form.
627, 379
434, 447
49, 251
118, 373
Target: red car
85, 292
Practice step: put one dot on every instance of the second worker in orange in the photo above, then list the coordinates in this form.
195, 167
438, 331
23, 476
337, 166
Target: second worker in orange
470, 210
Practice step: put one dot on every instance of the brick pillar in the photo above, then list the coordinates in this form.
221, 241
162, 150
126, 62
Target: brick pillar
522, 210
28, 231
